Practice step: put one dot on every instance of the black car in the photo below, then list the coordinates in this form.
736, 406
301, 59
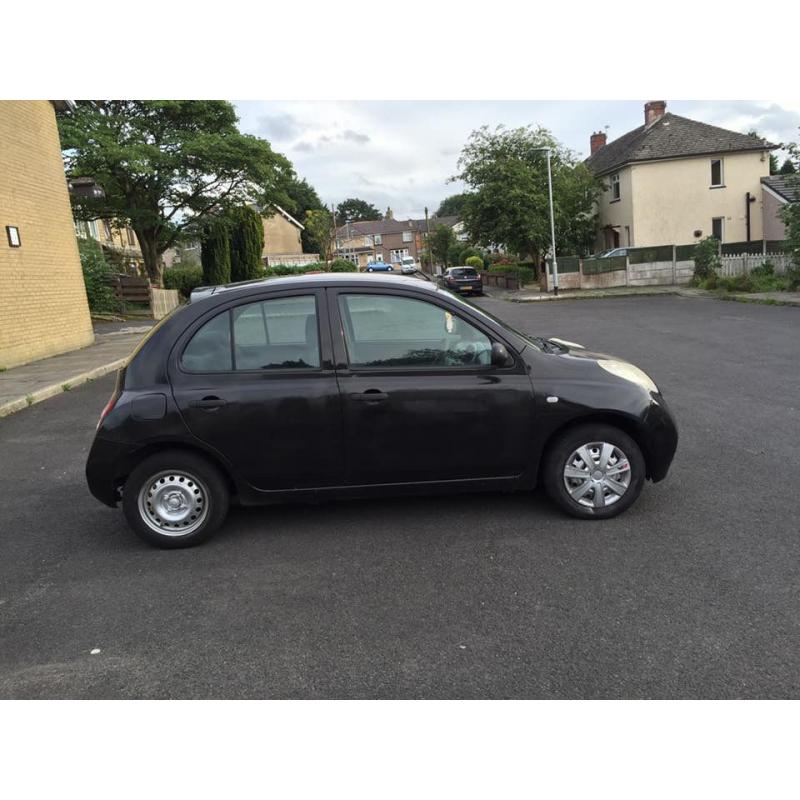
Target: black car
464, 280
341, 385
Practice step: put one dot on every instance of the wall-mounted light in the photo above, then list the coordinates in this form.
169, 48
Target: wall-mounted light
12, 231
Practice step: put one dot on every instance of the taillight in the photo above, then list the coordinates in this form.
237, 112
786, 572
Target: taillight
112, 401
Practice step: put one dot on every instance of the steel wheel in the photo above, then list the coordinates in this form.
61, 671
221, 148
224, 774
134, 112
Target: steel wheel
173, 503
597, 474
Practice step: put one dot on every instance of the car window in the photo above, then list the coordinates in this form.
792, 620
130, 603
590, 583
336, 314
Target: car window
464, 272
210, 348
391, 331
276, 334
273, 334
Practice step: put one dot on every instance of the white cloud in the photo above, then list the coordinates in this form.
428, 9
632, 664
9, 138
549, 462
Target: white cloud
401, 153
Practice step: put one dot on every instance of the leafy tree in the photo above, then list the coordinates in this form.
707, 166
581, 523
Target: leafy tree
442, 238
215, 253
247, 244
787, 168
356, 210
508, 204
706, 259
302, 199
452, 206
474, 261
790, 214
319, 223
165, 166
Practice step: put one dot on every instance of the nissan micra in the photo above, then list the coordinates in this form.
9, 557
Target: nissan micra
347, 385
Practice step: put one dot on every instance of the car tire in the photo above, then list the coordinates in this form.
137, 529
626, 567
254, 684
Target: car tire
175, 499
582, 500
369, 269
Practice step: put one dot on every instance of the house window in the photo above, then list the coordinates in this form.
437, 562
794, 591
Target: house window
399, 255
407, 236
132, 239
615, 187
718, 228
377, 239
107, 229
716, 172
93, 228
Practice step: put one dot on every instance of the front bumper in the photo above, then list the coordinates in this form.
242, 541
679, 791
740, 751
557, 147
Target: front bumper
660, 439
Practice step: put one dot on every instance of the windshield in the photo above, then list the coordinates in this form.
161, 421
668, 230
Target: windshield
464, 272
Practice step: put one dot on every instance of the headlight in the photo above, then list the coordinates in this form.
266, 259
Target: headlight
622, 369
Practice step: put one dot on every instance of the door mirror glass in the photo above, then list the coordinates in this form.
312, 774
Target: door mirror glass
500, 355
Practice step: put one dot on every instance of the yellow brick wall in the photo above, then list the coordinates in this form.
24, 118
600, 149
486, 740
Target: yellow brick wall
43, 307
281, 236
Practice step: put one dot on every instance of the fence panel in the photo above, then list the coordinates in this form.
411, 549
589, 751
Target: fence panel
643, 255
594, 266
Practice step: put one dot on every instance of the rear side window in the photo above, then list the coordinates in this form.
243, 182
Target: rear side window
210, 348
272, 334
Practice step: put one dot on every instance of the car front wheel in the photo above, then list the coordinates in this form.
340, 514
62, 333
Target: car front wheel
175, 499
594, 471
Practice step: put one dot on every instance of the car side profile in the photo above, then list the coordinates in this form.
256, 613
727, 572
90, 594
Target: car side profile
379, 266
348, 385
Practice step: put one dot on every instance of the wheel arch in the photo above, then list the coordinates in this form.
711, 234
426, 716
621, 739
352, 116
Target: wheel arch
131, 461
621, 421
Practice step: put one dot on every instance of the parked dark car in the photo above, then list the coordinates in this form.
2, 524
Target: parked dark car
340, 385
464, 280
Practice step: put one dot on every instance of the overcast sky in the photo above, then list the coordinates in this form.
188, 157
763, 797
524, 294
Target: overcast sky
401, 154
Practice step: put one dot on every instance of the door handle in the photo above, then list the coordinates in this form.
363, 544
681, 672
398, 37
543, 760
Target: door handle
208, 403
370, 396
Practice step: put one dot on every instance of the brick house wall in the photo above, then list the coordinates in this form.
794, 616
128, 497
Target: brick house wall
43, 306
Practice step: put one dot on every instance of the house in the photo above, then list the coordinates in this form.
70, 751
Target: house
119, 242
282, 243
673, 180
389, 240
778, 190
43, 305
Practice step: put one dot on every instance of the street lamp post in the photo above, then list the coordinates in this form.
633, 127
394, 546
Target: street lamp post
548, 152
552, 224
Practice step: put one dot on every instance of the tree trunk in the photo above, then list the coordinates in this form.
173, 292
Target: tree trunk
148, 241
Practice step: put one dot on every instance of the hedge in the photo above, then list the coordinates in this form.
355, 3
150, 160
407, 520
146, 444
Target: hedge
184, 279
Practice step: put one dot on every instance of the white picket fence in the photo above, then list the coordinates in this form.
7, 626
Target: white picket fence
744, 264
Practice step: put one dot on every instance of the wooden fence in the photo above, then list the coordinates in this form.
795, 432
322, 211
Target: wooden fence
133, 292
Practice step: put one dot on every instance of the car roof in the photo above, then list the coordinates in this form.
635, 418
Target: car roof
312, 281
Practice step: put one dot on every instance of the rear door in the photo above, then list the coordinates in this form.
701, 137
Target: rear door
255, 381
421, 400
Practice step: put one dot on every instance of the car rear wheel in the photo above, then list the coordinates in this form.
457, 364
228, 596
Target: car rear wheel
369, 269
594, 471
175, 499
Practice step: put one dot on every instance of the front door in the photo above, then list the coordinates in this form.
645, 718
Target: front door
421, 400
256, 383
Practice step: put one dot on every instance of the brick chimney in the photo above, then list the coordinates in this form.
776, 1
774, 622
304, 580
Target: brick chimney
596, 141
653, 111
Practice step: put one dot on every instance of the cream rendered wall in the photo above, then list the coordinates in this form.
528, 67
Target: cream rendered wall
774, 227
281, 237
617, 212
672, 198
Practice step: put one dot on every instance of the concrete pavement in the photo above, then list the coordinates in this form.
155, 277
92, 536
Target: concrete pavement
23, 386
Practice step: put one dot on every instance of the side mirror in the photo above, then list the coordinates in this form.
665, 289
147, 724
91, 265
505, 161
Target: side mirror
500, 356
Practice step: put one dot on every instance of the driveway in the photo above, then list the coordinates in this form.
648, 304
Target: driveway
694, 592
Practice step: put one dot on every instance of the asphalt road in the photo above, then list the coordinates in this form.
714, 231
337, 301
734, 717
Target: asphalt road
694, 592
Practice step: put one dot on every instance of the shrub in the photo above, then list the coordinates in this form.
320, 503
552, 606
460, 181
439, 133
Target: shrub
470, 252
474, 261
343, 265
246, 243
95, 276
184, 279
706, 258
737, 283
524, 275
793, 279
711, 282
215, 254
